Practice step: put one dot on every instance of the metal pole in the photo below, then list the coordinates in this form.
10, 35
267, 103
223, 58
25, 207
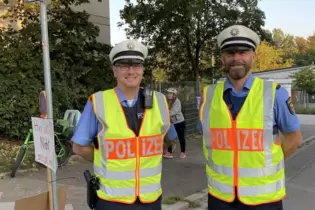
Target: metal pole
160, 86
47, 74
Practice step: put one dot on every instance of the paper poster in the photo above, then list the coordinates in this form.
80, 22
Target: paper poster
44, 142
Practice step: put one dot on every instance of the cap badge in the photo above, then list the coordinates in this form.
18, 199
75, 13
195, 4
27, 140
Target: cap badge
130, 46
234, 32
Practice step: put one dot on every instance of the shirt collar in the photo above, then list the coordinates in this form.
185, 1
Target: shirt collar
247, 85
122, 98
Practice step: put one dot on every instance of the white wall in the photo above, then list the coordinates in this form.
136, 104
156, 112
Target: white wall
279, 74
98, 10
100, 16
285, 83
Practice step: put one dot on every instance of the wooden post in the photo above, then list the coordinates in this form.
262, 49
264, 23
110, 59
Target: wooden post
51, 205
43, 114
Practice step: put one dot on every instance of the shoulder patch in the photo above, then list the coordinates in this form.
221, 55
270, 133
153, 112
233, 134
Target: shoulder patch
290, 106
278, 86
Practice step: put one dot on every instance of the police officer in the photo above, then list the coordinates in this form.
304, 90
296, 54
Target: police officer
129, 131
241, 119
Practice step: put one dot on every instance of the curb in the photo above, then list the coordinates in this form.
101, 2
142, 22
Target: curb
305, 144
4, 174
183, 205
11, 205
72, 159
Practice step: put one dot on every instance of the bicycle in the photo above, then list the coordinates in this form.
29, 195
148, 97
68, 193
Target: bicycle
63, 147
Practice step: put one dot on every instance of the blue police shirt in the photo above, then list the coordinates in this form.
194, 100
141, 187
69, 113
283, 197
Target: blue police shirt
283, 119
88, 126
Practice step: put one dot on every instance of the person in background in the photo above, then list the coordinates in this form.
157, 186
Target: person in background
127, 152
177, 118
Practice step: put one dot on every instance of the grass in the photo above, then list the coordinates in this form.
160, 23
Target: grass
301, 110
8, 152
174, 199
198, 191
171, 200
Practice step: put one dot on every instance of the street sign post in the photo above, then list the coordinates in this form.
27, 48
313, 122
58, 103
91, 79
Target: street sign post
52, 185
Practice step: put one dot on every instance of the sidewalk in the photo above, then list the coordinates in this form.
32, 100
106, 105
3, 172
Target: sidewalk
300, 172
181, 178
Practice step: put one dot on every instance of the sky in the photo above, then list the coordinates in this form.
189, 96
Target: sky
294, 17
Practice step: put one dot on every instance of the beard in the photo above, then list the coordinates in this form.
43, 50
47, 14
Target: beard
237, 70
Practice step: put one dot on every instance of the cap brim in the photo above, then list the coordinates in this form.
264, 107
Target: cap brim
129, 61
236, 48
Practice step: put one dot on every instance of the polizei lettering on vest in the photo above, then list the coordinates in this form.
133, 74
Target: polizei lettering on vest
151, 146
127, 148
219, 139
250, 140
120, 149
240, 139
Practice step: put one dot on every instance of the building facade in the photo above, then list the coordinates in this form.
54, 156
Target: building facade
282, 76
98, 10
100, 16
3, 9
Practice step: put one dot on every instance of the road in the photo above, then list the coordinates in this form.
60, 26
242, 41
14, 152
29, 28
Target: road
308, 131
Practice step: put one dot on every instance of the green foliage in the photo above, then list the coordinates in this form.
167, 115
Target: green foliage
305, 80
300, 110
79, 63
304, 58
184, 32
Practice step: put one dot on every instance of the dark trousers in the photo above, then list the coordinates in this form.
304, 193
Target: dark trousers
216, 204
180, 130
108, 205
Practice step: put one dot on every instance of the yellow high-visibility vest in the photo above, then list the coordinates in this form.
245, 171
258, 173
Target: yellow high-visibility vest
129, 166
243, 154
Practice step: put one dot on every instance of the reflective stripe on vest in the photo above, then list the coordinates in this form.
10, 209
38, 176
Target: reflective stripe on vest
129, 166
230, 139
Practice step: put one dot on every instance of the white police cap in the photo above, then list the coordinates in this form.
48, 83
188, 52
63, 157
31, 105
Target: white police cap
238, 37
128, 50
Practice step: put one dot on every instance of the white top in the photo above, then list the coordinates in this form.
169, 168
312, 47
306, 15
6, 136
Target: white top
176, 112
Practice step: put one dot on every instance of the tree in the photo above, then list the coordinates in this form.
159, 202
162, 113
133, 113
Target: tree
302, 45
304, 80
181, 30
79, 63
268, 57
311, 42
278, 37
305, 54
285, 42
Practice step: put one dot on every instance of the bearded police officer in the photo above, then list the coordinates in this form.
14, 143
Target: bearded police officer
129, 124
240, 120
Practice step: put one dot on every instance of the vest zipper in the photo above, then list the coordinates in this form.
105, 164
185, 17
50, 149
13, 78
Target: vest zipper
137, 168
235, 160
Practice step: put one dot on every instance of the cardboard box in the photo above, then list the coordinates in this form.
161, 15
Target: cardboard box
38, 202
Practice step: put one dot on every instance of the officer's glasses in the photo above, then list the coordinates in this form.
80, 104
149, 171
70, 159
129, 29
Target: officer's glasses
126, 67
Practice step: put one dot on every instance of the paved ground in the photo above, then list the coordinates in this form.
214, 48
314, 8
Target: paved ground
181, 177
308, 130
176, 172
300, 171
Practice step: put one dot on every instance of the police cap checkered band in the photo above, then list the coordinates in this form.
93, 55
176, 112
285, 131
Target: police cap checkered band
128, 49
238, 37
